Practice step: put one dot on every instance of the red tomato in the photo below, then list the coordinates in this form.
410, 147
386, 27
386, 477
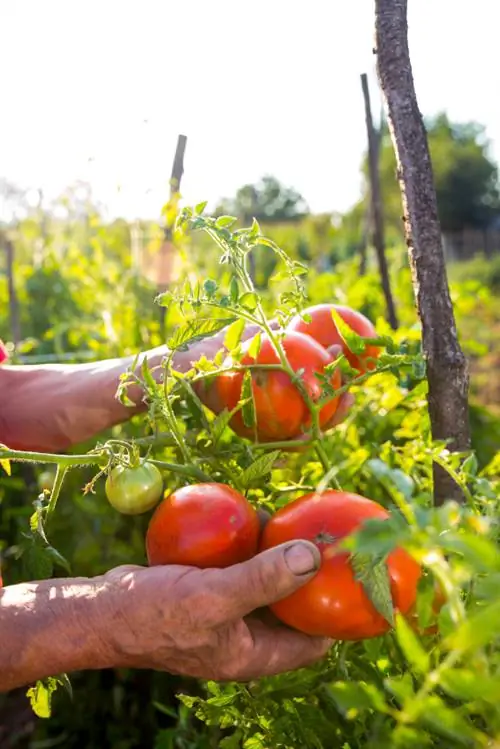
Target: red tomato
204, 525
281, 412
334, 604
323, 329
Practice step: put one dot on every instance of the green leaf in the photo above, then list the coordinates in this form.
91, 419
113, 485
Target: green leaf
463, 684
401, 687
373, 574
200, 207
249, 300
248, 412
354, 342
411, 647
479, 552
58, 559
254, 348
234, 333
40, 696
259, 468
225, 221
219, 425
353, 697
255, 229
470, 465
447, 722
197, 330
210, 287
255, 742
231, 742
234, 291
37, 562
478, 630
402, 482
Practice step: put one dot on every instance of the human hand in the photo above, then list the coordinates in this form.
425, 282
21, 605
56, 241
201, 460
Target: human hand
205, 623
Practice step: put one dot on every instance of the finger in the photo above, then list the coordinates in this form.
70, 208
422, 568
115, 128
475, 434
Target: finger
334, 350
277, 649
268, 577
346, 402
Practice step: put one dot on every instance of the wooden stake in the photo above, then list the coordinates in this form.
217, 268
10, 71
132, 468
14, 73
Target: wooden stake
447, 370
377, 219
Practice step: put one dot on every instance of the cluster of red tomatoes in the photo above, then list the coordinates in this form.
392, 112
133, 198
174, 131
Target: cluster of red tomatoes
213, 525
281, 412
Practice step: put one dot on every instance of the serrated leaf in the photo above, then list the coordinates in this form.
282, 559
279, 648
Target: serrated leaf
248, 412
234, 334
259, 468
373, 574
37, 562
5, 464
411, 647
353, 341
249, 300
224, 221
197, 330
255, 345
219, 424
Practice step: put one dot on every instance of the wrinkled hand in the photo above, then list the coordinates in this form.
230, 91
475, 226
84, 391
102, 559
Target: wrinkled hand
203, 623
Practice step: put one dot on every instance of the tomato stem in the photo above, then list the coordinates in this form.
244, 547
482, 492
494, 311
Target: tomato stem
62, 460
184, 470
56, 489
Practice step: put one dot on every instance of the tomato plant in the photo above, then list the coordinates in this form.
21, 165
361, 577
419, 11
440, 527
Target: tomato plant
334, 603
281, 410
322, 327
399, 690
203, 525
134, 489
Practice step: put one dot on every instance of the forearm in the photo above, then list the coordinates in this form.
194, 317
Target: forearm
50, 408
51, 627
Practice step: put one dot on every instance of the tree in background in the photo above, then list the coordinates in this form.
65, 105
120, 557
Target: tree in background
465, 176
267, 201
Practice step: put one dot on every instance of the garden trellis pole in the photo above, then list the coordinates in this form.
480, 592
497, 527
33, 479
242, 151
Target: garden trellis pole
447, 370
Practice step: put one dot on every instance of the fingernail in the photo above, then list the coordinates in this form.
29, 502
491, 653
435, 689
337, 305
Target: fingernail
302, 558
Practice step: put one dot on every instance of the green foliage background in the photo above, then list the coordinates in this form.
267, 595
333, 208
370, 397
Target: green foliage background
84, 295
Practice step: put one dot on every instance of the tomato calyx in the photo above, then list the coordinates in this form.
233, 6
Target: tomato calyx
325, 538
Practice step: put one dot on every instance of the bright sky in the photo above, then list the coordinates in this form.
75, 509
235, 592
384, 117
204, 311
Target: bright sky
99, 89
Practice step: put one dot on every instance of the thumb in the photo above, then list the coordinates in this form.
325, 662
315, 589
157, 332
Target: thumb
268, 577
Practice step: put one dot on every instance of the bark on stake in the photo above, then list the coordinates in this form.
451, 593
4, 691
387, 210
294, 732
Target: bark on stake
447, 370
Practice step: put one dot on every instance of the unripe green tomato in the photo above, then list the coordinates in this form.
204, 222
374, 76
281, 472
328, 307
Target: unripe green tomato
133, 490
46, 480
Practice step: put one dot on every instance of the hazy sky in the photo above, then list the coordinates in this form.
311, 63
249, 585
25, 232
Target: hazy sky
99, 89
